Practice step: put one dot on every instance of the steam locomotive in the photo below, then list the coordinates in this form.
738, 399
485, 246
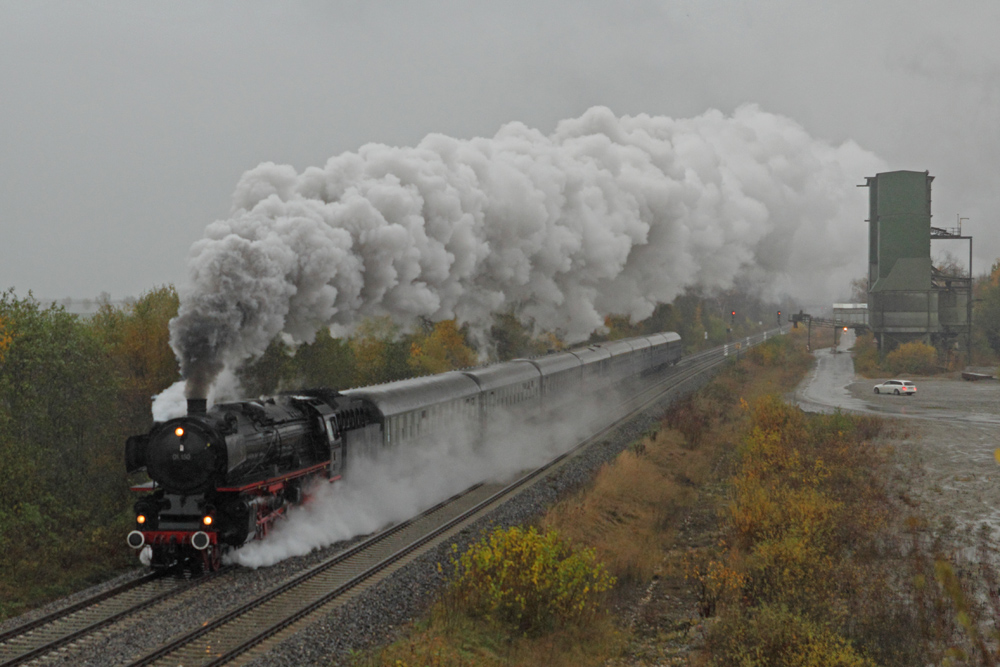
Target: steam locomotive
220, 477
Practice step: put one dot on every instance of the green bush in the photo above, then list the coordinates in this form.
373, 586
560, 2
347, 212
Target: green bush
529, 580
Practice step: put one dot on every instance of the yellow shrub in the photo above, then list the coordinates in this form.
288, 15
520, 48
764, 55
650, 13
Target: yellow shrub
761, 511
530, 580
915, 357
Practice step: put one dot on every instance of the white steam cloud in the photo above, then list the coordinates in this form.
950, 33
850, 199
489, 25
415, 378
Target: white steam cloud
606, 215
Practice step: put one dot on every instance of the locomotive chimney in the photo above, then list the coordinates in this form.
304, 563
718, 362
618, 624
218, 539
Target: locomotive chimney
197, 406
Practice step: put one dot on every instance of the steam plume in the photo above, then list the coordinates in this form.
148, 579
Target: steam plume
606, 215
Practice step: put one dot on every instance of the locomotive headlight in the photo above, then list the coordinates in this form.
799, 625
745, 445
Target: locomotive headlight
179, 431
207, 520
141, 519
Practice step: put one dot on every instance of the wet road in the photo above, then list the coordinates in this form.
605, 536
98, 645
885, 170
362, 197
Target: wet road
832, 385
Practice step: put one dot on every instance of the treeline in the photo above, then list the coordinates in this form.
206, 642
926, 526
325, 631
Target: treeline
379, 351
72, 389
986, 315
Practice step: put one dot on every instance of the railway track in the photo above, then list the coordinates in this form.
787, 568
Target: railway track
48, 633
251, 629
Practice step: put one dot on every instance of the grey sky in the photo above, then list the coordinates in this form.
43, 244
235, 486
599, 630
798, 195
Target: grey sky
125, 126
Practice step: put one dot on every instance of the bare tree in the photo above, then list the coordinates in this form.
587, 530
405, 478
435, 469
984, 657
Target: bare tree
859, 290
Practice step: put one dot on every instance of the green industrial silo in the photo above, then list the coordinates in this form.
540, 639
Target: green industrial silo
903, 296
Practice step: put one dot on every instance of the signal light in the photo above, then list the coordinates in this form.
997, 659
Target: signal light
179, 431
141, 519
207, 520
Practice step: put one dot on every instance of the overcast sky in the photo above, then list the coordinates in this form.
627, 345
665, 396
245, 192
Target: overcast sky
126, 126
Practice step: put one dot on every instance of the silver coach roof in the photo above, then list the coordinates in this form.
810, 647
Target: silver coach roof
554, 363
640, 343
665, 337
589, 355
501, 375
396, 398
616, 347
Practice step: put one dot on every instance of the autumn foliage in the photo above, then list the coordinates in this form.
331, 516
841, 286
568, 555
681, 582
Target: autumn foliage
913, 358
71, 391
802, 530
986, 317
442, 349
528, 580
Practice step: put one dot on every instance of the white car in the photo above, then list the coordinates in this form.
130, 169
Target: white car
897, 387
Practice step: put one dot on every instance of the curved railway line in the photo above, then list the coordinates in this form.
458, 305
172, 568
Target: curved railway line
253, 627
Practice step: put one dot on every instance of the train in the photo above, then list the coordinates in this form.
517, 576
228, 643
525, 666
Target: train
221, 477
